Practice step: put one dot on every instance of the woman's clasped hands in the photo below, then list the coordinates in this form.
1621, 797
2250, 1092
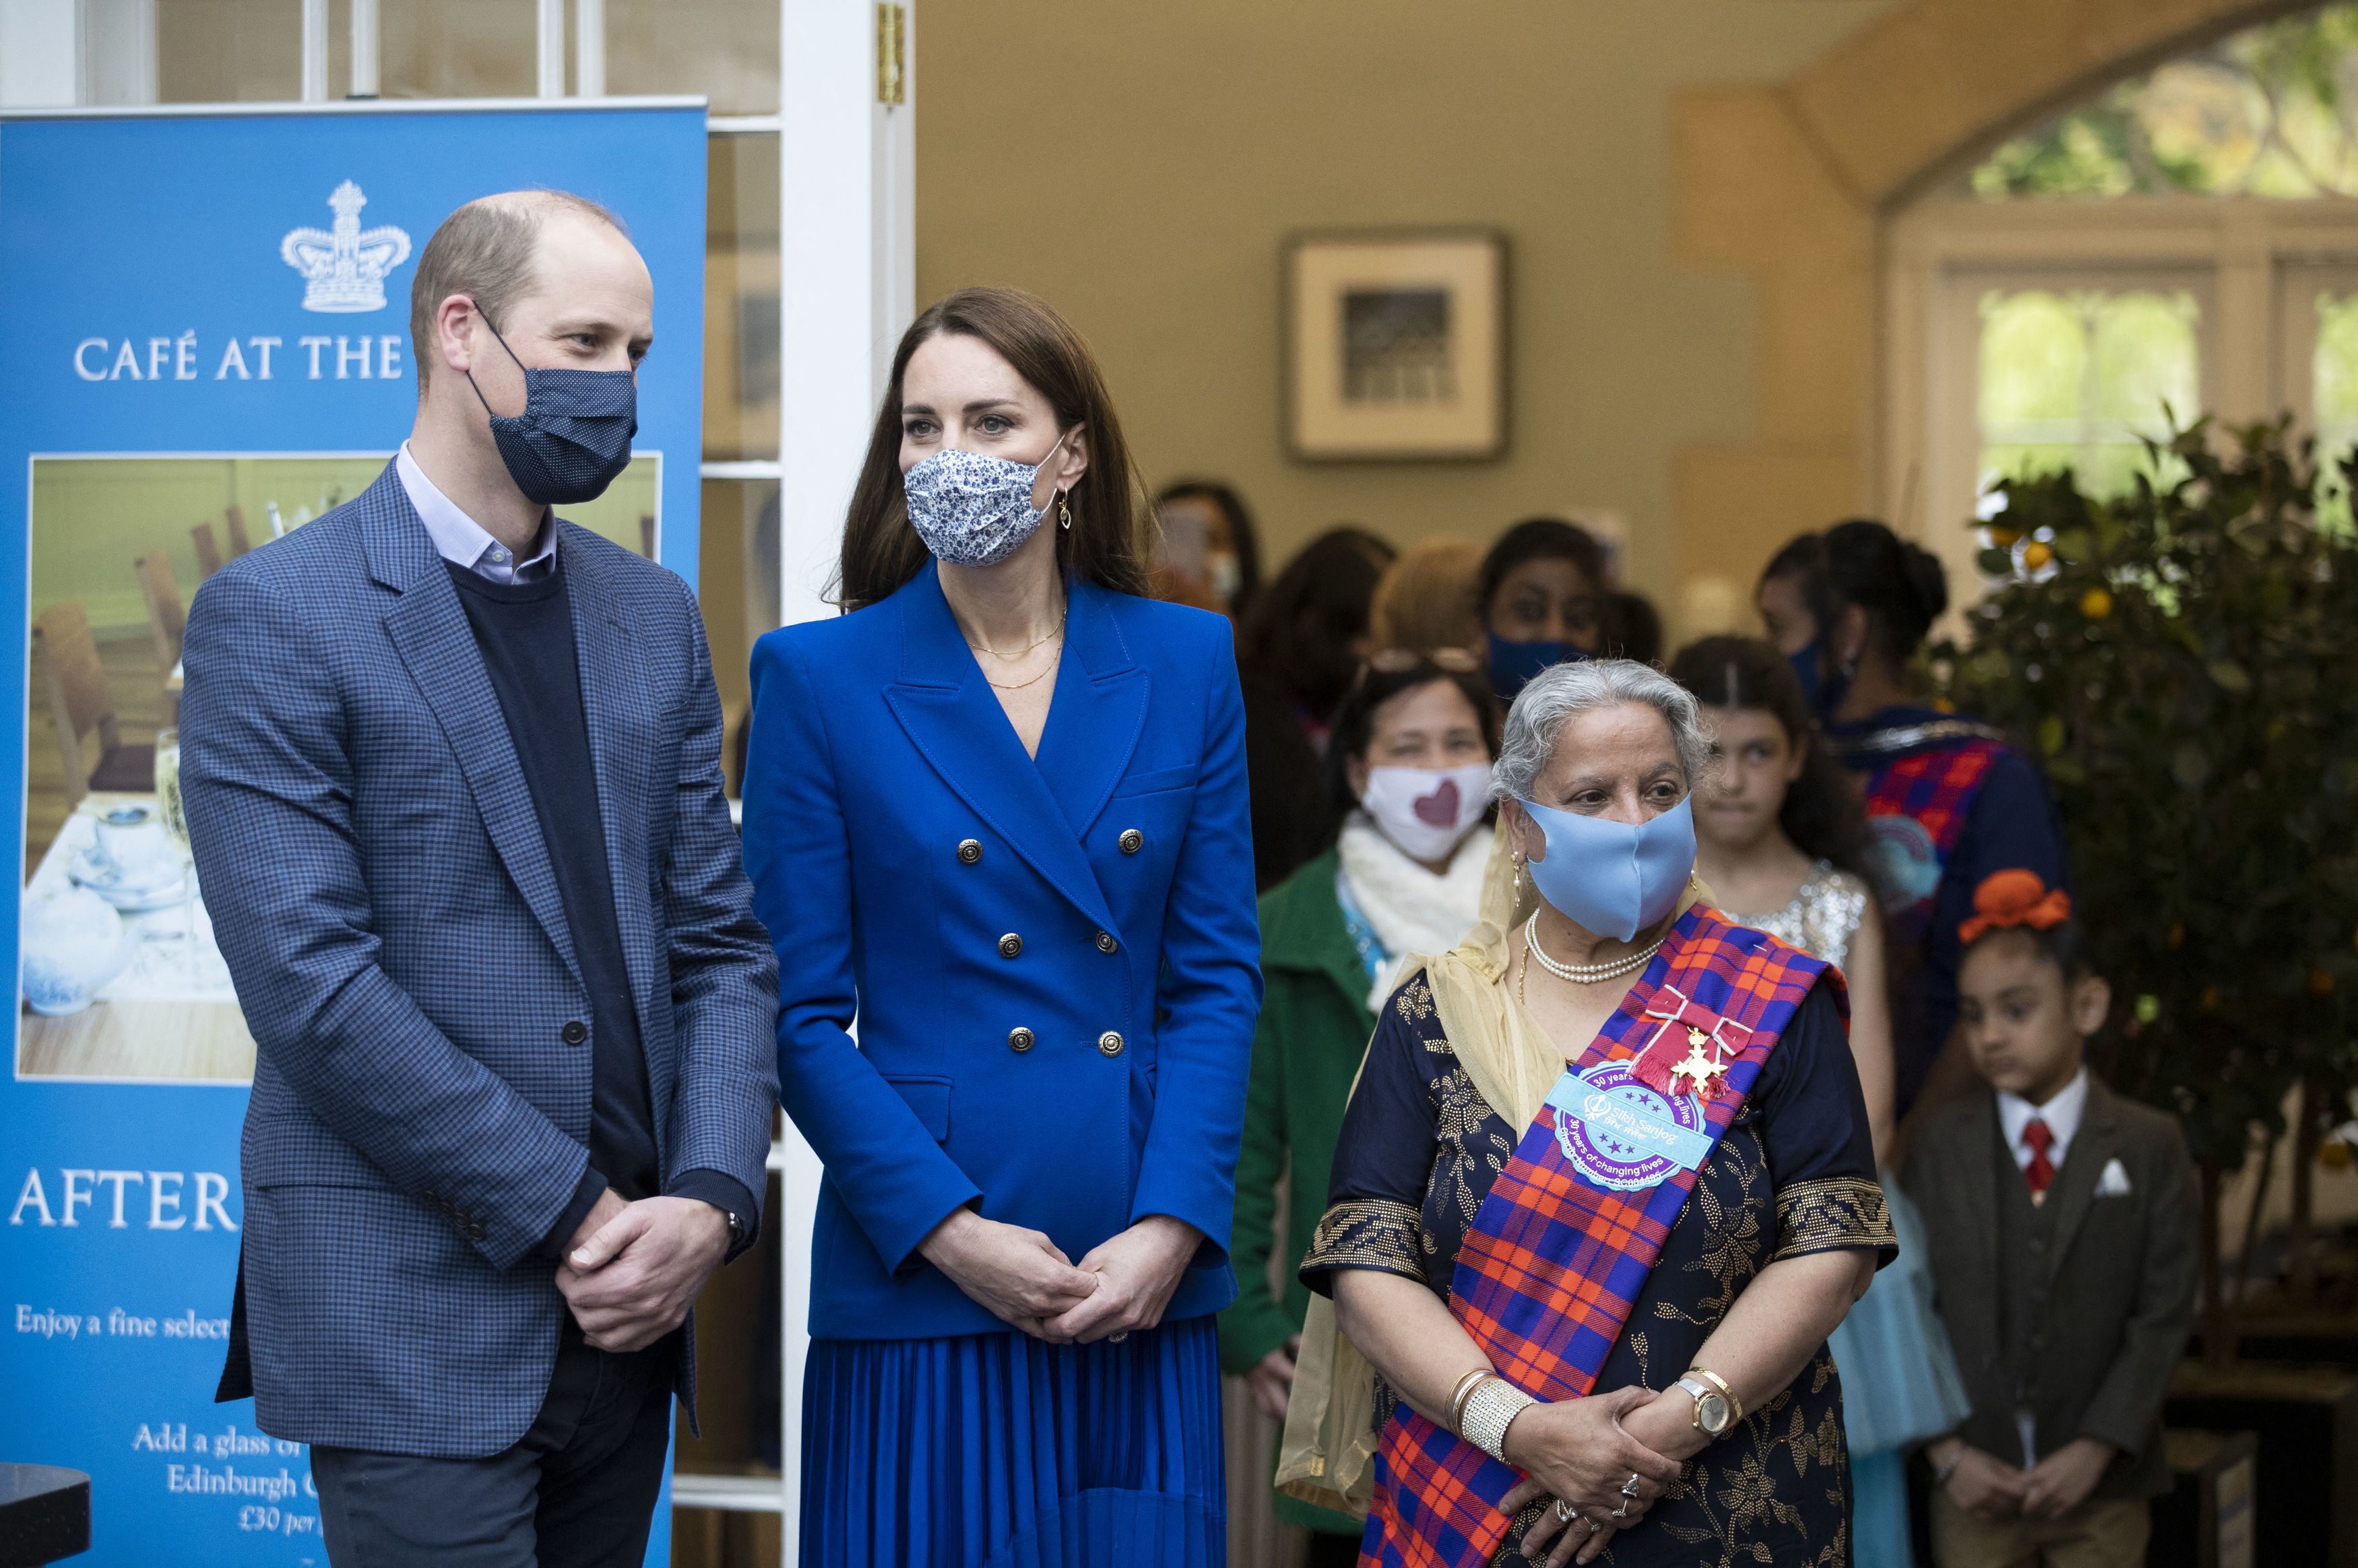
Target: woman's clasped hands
1026, 1282
1582, 1454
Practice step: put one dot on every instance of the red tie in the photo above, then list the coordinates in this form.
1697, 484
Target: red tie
2037, 1137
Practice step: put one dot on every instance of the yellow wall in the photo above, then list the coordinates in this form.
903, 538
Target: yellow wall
1140, 165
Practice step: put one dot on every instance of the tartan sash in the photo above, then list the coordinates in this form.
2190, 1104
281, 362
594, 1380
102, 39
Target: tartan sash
1916, 808
1554, 1261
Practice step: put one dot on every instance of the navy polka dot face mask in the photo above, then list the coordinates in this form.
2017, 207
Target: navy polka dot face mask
574, 436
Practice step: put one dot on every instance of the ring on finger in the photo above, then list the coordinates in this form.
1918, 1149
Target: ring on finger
1621, 1512
1565, 1512
1630, 1486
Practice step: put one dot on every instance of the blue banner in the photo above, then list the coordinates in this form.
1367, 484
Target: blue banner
206, 327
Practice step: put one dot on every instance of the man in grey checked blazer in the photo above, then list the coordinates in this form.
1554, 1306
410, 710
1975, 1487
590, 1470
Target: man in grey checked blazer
453, 783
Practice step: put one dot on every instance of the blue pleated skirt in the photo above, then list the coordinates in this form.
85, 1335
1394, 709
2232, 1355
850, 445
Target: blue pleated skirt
999, 1451
1900, 1380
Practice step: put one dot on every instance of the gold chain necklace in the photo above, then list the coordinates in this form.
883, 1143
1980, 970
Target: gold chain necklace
1057, 631
1588, 974
1019, 686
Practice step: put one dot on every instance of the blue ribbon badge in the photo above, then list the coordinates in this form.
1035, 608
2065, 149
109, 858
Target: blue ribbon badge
1622, 1135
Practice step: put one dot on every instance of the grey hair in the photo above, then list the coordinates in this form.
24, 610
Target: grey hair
1560, 691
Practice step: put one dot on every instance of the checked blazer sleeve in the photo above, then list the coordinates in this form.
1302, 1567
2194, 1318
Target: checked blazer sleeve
269, 781
724, 976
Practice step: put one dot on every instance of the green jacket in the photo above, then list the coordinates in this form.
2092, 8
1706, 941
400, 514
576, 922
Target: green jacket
1314, 1030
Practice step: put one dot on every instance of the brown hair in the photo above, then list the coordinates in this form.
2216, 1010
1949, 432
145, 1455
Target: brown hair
1107, 542
484, 251
1424, 600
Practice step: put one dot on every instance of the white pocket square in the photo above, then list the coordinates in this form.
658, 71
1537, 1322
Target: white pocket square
2114, 1181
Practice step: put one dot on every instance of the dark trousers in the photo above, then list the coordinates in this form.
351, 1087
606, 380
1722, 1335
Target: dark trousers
578, 1490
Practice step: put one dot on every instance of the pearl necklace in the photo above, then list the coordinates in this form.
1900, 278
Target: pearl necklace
1588, 974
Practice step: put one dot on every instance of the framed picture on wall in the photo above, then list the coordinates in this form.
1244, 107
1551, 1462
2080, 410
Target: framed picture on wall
1396, 345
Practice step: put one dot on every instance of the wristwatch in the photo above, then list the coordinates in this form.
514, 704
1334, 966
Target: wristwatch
1715, 1407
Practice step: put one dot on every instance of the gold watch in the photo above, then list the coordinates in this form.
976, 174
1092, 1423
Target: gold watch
1716, 1408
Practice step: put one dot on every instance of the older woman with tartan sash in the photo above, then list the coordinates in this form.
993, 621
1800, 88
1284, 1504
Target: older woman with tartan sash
1603, 1188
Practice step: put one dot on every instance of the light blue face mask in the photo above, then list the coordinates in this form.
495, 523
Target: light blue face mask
1608, 877
972, 509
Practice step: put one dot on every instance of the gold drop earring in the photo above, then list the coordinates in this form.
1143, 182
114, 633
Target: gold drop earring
1063, 515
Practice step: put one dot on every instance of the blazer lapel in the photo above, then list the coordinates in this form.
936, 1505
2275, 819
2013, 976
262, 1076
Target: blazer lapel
1998, 1161
428, 628
2073, 1192
615, 705
950, 715
1098, 714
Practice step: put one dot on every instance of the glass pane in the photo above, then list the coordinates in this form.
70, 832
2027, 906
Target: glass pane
229, 51
738, 586
2270, 110
2074, 380
2333, 370
446, 48
740, 298
726, 49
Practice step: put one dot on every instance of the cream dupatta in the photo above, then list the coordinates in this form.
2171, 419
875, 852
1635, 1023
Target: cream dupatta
1327, 1454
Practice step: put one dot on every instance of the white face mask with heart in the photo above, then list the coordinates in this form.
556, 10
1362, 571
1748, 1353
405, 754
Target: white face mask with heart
1427, 811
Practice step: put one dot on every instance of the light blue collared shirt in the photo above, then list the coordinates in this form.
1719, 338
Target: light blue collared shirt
462, 541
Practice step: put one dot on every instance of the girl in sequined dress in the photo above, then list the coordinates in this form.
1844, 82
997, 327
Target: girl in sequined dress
1782, 842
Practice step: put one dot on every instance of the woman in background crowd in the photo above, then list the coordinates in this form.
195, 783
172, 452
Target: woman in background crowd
1209, 545
997, 813
1408, 770
1298, 654
1948, 800
1544, 599
1426, 600
1782, 845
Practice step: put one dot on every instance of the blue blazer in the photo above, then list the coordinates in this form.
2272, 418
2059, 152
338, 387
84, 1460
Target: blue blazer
1054, 965
380, 886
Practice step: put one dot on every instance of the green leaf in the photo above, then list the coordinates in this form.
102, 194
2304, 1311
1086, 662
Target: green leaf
2051, 734
2189, 766
2230, 676
1996, 563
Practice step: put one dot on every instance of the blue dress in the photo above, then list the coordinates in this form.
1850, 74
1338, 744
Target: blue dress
1051, 960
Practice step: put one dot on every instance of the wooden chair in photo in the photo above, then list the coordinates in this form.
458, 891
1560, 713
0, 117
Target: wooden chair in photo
89, 743
168, 622
647, 535
235, 519
208, 556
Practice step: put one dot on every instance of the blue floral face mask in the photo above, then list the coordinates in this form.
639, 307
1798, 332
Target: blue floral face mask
973, 510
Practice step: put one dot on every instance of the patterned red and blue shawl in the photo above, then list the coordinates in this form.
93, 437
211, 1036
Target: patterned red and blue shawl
1554, 1261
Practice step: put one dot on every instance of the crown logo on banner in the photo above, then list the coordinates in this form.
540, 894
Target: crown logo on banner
344, 267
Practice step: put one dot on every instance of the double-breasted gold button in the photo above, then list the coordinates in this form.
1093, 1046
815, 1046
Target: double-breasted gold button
969, 851
1109, 1042
1132, 840
1019, 1040
1010, 946
1106, 944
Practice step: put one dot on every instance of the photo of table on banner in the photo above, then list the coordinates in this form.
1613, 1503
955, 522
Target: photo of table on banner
1604, 1188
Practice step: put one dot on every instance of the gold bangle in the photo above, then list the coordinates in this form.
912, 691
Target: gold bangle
1735, 1405
1459, 1396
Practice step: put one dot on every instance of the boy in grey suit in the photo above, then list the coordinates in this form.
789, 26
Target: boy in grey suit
2061, 1225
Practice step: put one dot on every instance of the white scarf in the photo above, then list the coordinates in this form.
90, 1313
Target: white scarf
1412, 910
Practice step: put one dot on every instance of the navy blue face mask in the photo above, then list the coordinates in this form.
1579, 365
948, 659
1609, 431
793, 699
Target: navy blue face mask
1513, 665
574, 436
1822, 692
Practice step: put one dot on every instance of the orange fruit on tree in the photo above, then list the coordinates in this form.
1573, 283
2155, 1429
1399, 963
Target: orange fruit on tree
2036, 554
2096, 604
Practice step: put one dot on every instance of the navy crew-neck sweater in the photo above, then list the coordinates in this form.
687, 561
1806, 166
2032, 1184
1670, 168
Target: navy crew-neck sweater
525, 633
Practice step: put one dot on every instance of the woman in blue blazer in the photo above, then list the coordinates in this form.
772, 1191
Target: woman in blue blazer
998, 815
